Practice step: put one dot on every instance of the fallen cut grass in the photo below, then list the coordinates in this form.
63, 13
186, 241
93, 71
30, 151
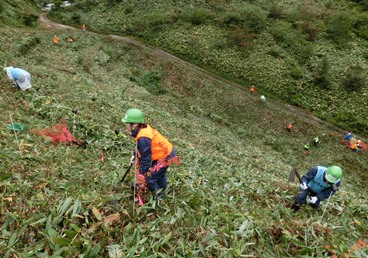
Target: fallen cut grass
230, 196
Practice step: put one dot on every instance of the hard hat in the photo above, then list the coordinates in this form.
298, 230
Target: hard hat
333, 174
263, 98
134, 116
4, 70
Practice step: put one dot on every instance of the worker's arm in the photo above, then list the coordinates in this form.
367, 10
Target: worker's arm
144, 148
310, 175
326, 193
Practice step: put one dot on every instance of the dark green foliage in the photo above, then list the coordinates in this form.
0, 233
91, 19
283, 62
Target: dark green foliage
276, 11
245, 15
28, 44
2, 7
339, 28
360, 25
355, 78
30, 19
196, 16
76, 18
310, 29
156, 19
241, 37
151, 81
283, 32
296, 72
322, 75
274, 51
362, 3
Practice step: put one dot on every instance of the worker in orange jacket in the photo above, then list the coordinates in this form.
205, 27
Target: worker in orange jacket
56, 40
251, 90
83, 26
289, 127
153, 151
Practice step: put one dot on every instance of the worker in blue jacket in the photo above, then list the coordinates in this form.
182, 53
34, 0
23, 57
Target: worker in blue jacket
19, 77
320, 183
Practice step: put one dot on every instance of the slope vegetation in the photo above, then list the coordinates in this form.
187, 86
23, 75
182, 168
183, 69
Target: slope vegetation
230, 196
311, 54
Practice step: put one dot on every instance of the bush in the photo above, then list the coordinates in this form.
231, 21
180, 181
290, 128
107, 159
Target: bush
196, 16
151, 81
2, 8
310, 29
355, 78
30, 19
28, 44
158, 18
360, 25
245, 16
339, 28
241, 37
76, 18
276, 11
284, 34
322, 75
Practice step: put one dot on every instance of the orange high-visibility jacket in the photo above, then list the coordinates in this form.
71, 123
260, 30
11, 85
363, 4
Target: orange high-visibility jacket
160, 146
56, 40
290, 126
83, 26
252, 89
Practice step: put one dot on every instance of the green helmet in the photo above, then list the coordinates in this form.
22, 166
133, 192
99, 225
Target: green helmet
333, 174
134, 116
4, 69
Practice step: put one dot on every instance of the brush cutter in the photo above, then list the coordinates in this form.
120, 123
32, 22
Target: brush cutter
294, 172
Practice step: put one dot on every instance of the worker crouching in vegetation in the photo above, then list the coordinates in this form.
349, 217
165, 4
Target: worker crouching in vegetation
319, 183
20, 78
153, 151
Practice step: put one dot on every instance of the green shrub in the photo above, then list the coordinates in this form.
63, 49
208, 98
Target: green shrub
76, 18
158, 18
284, 34
275, 52
28, 44
360, 25
339, 28
322, 74
241, 37
151, 82
295, 72
245, 16
276, 11
2, 8
30, 19
310, 29
196, 16
355, 78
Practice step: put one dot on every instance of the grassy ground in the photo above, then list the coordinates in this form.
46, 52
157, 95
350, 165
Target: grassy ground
310, 54
229, 198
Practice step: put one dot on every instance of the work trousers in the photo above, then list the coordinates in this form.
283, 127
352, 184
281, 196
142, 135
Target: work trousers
302, 197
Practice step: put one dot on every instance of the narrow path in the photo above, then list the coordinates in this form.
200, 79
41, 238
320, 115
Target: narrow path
48, 24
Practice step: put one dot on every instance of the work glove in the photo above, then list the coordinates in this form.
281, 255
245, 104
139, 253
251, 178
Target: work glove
303, 186
313, 200
132, 159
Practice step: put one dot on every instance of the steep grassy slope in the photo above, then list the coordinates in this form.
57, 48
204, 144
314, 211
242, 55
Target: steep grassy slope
18, 13
227, 199
312, 54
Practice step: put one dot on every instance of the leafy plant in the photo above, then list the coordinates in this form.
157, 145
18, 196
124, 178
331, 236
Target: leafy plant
151, 81
355, 78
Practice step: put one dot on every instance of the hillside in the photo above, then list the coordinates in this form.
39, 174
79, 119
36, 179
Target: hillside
230, 196
311, 54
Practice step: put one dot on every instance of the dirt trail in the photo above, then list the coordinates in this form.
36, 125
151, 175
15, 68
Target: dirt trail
46, 23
